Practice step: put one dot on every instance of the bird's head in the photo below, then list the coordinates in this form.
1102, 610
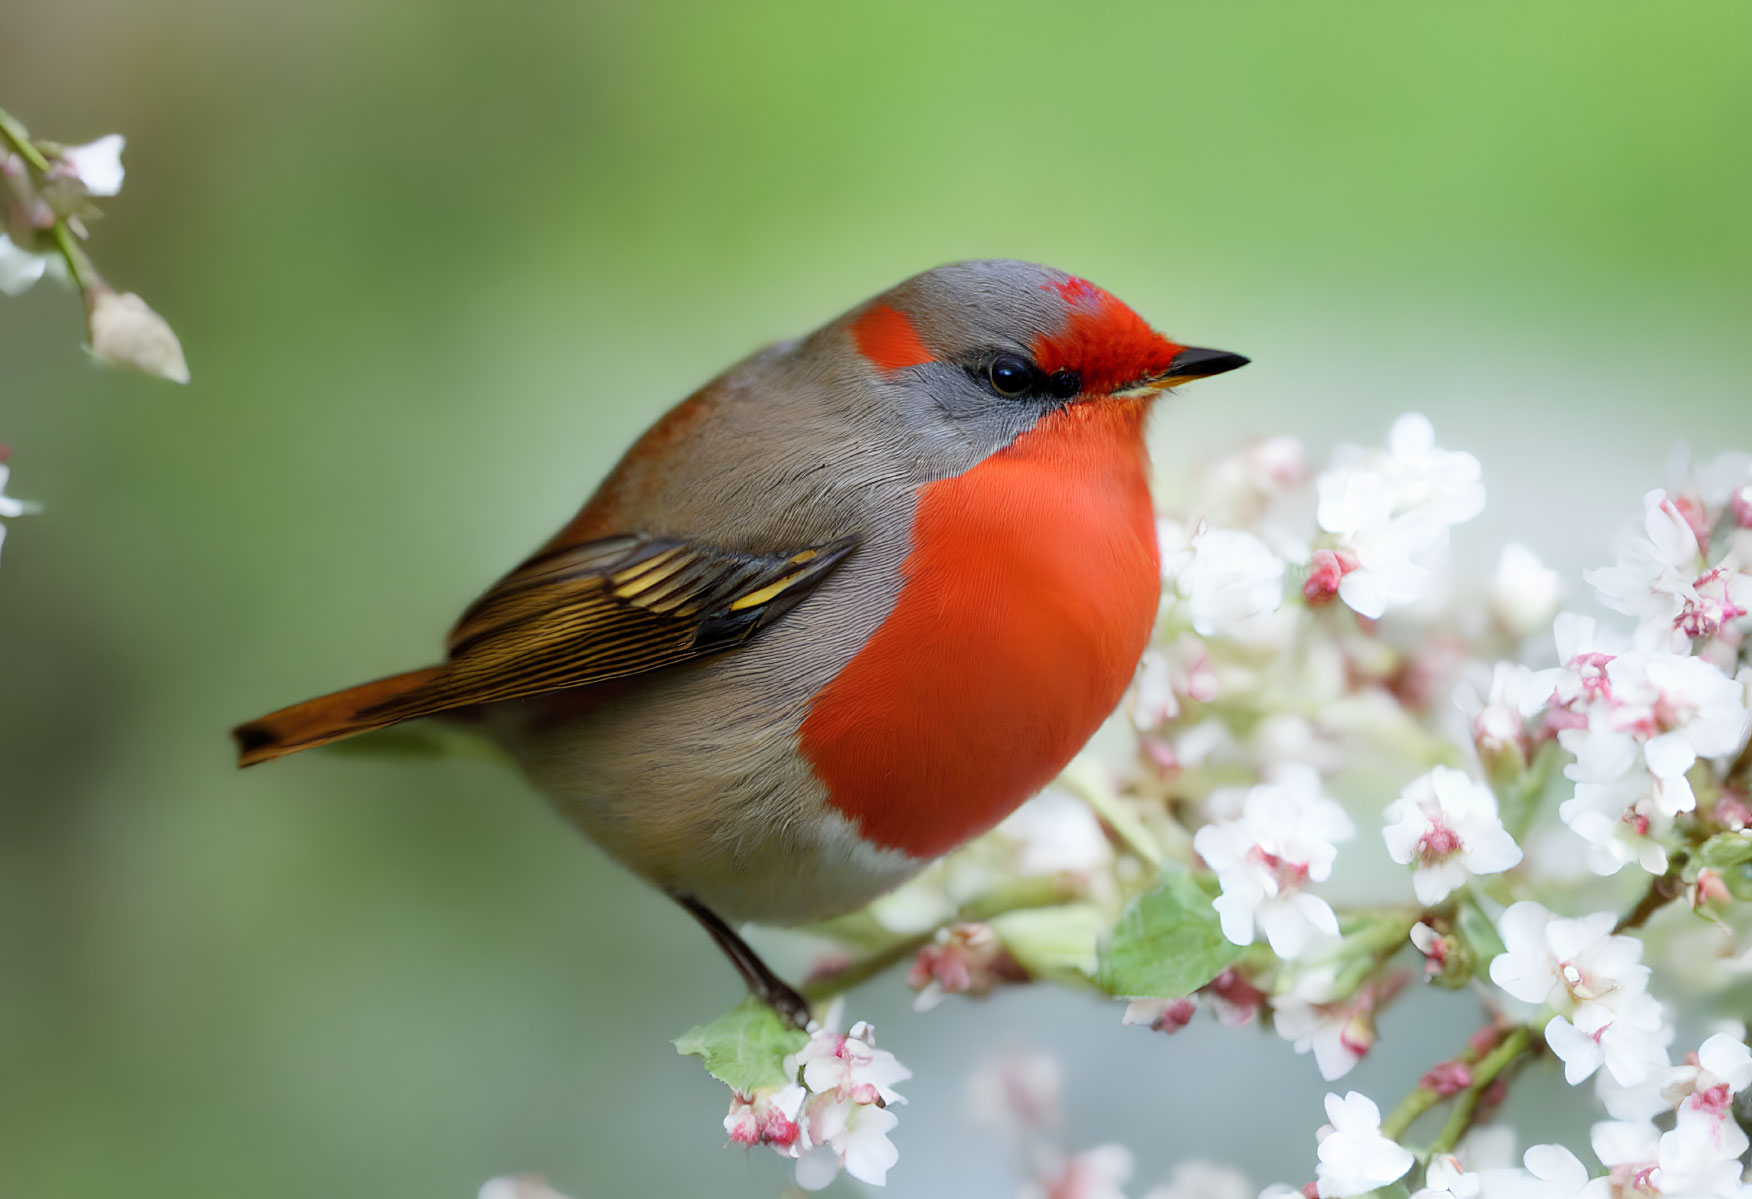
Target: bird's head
1007, 342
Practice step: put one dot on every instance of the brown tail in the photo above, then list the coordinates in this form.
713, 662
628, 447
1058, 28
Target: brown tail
330, 717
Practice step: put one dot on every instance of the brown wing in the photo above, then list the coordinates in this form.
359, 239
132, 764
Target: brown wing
611, 608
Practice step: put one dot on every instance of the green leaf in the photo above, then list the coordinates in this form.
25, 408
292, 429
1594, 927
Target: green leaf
1167, 943
1726, 849
745, 1047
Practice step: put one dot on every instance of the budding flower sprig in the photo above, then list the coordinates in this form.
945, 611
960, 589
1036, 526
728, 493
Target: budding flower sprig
48, 195
1322, 691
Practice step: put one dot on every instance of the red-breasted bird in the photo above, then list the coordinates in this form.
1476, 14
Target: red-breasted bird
837, 612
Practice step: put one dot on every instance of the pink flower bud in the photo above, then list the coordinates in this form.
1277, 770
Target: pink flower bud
1742, 507
1448, 1078
1330, 567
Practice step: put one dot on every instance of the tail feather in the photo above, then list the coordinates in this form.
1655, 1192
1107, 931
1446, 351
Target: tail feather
331, 717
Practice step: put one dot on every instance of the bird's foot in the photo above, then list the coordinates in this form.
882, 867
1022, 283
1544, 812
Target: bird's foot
763, 984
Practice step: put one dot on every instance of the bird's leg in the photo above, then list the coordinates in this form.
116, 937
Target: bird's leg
763, 984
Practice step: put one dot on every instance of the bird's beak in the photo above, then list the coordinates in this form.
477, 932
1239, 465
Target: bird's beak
1191, 363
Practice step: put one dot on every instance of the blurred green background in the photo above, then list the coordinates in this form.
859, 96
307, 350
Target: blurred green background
435, 263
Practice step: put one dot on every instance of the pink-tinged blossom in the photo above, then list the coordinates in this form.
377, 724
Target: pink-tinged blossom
1162, 1015
1500, 716
97, 165
1098, 1173
1220, 578
843, 1117
1017, 1094
1654, 568
1179, 670
1390, 514
1623, 821
962, 959
1433, 945
1338, 1031
1596, 983
1284, 839
1354, 1156
1445, 826
1446, 1178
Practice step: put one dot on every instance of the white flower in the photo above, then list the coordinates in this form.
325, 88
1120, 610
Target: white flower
844, 1119
9, 505
1354, 1156
19, 267
1223, 577
1552, 1172
519, 1186
1338, 1033
1596, 983
1202, 1180
98, 164
1524, 593
1654, 569
1391, 513
1098, 1173
1623, 821
1446, 1178
1446, 823
1283, 839
1056, 833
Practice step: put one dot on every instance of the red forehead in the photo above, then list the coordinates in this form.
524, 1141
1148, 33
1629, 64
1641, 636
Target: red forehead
1103, 339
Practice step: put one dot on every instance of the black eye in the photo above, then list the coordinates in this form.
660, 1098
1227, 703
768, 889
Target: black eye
1010, 375
1065, 384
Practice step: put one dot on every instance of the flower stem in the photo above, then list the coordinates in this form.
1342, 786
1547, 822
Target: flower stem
1661, 892
1026, 893
1421, 1100
13, 132
1489, 1068
78, 262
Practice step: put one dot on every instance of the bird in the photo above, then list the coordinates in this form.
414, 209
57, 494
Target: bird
837, 612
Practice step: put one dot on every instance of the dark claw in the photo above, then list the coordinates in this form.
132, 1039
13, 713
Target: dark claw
763, 984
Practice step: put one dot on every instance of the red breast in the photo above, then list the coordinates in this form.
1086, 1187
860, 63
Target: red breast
1025, 604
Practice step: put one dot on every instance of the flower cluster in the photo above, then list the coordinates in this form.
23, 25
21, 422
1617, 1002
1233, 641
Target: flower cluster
48, 195
834, 1116
1345, 768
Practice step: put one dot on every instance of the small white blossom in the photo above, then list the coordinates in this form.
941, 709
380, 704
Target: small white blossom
1524, 593
1653, 569
20, 268
840, 1116
10, 506
1284, 838
1223, 577
1390, 513
1202, 1180
1594, 981
1446, 824
1446, 1178
98, 164
1354, 1156
1056, 833
1337, 1032
1623, 821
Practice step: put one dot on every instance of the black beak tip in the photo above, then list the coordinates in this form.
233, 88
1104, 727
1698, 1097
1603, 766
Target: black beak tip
1193, 363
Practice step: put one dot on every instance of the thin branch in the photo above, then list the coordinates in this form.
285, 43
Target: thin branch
1028, 893
1662, 891
18, 137
1519, 1040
